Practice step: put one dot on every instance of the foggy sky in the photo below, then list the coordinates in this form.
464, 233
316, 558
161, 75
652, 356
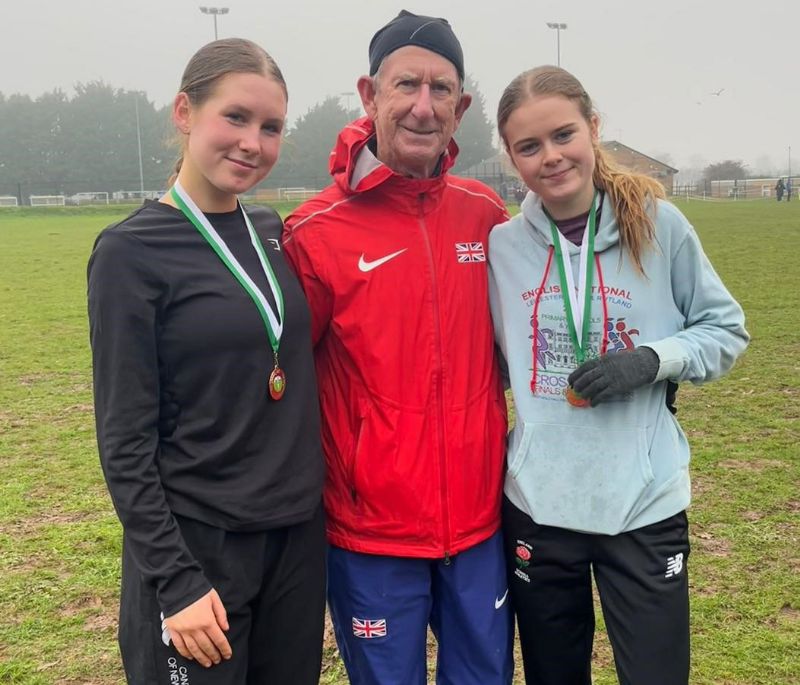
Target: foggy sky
649, 66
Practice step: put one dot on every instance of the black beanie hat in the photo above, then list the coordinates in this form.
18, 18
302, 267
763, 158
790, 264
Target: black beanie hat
411, 29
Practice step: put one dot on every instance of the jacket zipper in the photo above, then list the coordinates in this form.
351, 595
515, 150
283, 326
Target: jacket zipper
439, 384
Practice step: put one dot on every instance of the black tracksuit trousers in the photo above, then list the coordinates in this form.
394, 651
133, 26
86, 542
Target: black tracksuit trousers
272, 584
642, 581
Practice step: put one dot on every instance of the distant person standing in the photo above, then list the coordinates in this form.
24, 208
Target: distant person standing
779, 188
788, 189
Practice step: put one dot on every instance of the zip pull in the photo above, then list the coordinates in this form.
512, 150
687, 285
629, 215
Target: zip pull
447, 560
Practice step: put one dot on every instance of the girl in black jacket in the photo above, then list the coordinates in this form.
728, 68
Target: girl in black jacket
206, 402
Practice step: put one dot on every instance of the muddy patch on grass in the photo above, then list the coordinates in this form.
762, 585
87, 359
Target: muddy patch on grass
701, 485
756, 465
29, 526
703, 591
710, 543
29, 529
78, 606
786, 614
28, 380
79, 378
98, 614
602, 656
78, 409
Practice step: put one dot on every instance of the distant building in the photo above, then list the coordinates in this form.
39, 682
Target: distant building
640, 163
499, 172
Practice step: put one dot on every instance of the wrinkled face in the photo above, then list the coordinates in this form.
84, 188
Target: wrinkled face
233, 139
552, 147
416, 103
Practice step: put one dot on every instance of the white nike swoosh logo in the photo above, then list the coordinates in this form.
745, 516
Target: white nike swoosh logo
500, 602
366, 266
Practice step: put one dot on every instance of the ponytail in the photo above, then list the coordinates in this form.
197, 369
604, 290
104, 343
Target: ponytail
174, 176
634, 199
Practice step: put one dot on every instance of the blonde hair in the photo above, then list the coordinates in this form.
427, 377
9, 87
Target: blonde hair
220, 58
633, 196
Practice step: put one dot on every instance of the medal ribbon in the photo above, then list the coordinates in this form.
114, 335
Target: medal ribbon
272, 322
580, 293
535, 317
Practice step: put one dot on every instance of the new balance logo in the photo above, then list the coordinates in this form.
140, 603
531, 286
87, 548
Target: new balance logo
674, 565
366, 266
367, 628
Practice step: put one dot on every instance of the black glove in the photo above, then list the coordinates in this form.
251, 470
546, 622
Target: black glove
672, 395
614, 374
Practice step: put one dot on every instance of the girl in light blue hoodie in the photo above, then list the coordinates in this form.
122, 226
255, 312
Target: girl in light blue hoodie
601, 295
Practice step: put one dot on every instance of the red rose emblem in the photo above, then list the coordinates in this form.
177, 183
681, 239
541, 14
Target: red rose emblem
523, 553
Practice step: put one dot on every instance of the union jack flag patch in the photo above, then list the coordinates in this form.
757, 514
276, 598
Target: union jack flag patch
367, 628
470, 252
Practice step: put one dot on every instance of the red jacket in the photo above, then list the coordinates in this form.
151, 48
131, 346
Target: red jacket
414, 418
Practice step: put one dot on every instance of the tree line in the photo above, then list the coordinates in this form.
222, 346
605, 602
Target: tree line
61, 145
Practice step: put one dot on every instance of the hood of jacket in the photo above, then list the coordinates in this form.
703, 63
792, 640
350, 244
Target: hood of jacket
538, 223
356, 170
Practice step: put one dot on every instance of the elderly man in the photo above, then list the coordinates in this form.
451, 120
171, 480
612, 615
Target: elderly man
392, 258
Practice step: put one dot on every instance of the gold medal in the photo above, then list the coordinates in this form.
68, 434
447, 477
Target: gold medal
277, 383
575, 399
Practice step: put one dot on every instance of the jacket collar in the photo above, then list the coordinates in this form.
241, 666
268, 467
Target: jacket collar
356, 170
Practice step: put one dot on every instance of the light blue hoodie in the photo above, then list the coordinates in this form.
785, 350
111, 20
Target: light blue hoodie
623, 464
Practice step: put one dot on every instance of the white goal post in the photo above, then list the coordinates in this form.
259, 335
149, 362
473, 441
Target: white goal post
123, 196
48, 200
92, 198
8, 201
297, 193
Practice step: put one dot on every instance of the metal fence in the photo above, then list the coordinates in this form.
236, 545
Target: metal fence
739, 189
128, 190
80, 193
280, 186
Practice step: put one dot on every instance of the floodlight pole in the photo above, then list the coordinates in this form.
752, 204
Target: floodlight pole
214, 11
139, 144
558, 26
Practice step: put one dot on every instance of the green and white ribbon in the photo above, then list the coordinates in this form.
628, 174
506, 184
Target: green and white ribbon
273, 321
575, 295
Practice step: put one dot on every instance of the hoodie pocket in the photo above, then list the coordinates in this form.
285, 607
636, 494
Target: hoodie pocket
588, 479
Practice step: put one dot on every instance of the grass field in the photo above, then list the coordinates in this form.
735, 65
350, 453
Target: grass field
60, 541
